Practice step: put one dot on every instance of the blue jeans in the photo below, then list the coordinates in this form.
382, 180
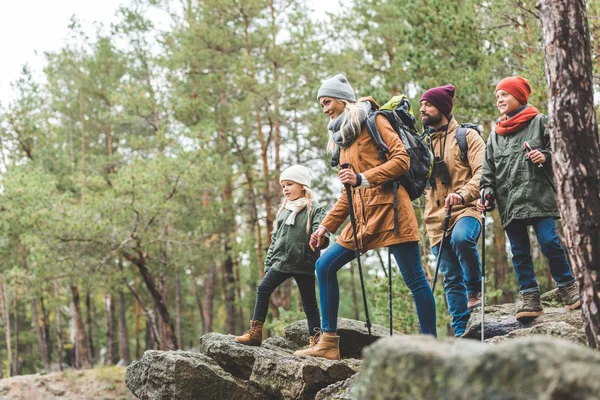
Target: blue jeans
461, 267
545, 230
407, 257
306, 286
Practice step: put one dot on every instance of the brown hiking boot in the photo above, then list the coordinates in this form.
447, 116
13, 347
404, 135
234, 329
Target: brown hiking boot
532, 307
253, 336
474, 301
327, 346
312, 341
570, 296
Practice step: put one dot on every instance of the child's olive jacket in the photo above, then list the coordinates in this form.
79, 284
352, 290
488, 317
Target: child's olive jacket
289, 251
521, 188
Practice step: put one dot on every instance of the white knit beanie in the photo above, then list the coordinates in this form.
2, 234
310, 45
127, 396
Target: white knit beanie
298, 174
337, 87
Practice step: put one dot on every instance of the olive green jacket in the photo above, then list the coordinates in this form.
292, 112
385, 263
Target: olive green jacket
289, 251
521, 189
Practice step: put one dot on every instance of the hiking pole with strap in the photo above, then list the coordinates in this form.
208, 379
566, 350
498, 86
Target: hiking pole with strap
357, 249
439, 258
390, 288
540, 165
482, 268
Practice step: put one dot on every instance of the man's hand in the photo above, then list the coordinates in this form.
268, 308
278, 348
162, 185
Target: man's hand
347, 176
453, 199
317, 238
536, 157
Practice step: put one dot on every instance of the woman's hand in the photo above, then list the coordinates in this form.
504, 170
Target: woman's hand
453, 199
536, 157
317, 238
347, 176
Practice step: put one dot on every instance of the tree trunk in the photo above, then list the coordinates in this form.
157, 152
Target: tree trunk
90, 335
109, 328
229, 286
46, 330
40, 336
81, 353
576, 146
209, 297
138, 325
199, 301
17, 365
6, 317
159, 301
164, 328
59, 344
124, 353
152, 331
178, 311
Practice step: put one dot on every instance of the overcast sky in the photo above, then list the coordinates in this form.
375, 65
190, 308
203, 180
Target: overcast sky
27, 26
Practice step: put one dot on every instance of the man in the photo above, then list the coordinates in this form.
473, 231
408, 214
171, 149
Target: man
454, 183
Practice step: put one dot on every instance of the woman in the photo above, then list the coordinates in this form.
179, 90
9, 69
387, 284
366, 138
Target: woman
373, 207
519, 179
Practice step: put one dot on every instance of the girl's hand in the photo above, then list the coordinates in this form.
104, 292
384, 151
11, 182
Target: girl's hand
347, 176
316, 239
482, 207
453, 199
536, 157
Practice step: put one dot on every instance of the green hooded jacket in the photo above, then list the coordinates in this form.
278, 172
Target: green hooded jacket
521, 188
289, 251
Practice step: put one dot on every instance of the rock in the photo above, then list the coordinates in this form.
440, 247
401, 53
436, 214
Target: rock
353, 335
338, 391
233, 357
500, 321
551, 298
556, 329
58, 389
279, 343
421, 367
299, 377
164, 375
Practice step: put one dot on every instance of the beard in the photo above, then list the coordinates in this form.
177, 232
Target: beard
431, 120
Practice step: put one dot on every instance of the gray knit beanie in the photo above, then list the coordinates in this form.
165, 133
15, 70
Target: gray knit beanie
337, 87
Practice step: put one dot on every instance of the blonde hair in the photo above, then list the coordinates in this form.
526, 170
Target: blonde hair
350, 121
309, 196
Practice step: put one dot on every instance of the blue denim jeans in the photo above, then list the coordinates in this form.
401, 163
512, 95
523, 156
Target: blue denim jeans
461, 267
306, 286
407, 257
545, 230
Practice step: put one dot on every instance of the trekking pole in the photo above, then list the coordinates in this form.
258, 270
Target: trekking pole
439, 258
357, 249
482, 269
390, 288
540, 165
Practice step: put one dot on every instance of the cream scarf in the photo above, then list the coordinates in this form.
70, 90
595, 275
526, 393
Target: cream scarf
295, 207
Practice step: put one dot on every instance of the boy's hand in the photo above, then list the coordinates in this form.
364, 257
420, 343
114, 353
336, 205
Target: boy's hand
317, 238
536, 157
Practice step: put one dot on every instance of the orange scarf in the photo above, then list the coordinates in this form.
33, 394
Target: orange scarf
506, 126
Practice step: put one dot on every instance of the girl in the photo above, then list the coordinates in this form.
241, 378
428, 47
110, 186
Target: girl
289, 254
519, 179
373, 202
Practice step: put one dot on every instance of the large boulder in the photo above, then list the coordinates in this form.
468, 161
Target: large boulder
299, 377
421, 367
236, 358
354, 336
500, 321
166, 375
338, 391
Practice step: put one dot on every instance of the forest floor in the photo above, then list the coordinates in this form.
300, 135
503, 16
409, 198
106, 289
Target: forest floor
103, 383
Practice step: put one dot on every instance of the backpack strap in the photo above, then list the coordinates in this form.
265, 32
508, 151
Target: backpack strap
376, 136
461, 139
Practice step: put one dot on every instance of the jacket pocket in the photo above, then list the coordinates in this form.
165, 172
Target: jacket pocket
297, 253
379, 214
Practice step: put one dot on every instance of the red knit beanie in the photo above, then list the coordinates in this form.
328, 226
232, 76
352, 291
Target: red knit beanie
517, 86
441, 98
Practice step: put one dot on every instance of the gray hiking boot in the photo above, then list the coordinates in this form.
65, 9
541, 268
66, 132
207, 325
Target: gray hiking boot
532, 307
570, 296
